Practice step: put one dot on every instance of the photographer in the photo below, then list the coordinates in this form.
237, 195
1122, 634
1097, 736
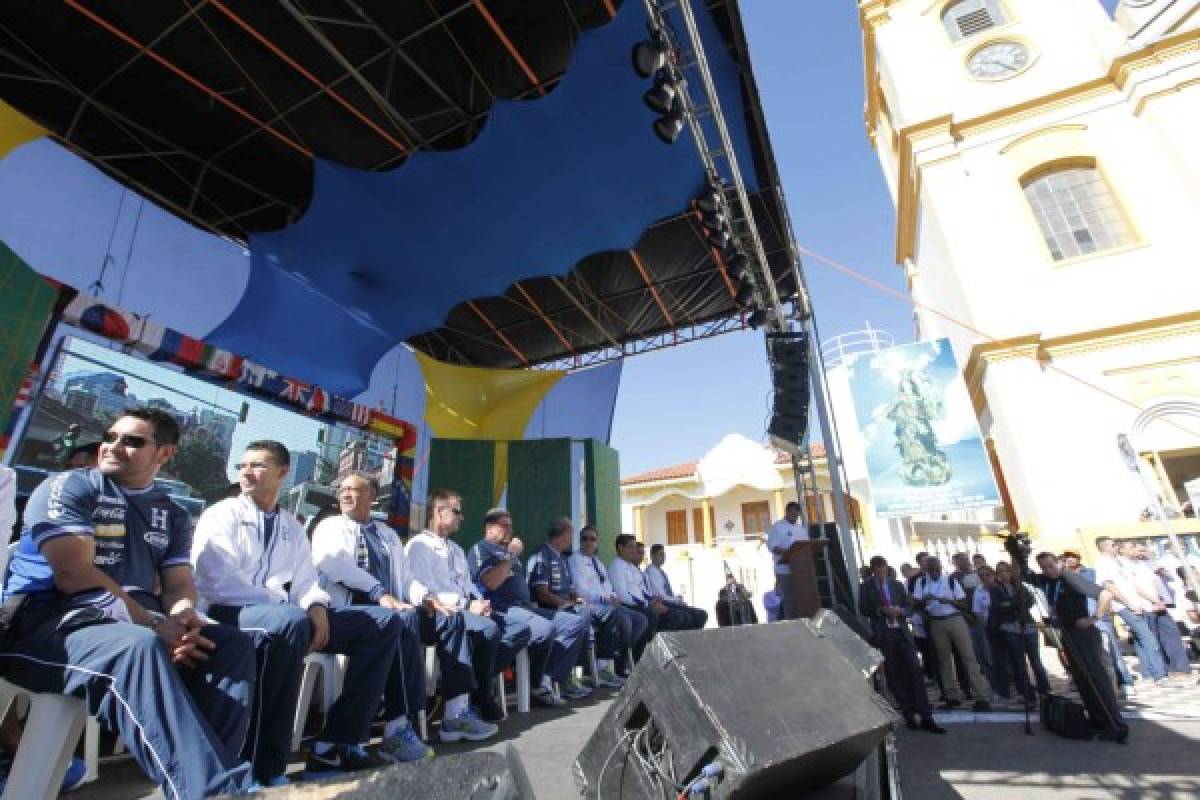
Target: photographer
1068, 592
943, 600
1010, 602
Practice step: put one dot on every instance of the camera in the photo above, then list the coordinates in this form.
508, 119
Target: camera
1019, 547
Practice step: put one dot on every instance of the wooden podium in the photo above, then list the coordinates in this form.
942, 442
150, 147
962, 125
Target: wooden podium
802, 558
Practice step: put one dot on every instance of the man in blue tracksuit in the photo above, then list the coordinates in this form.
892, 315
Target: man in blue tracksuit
91, 621
556, 638
553, 587
254, 569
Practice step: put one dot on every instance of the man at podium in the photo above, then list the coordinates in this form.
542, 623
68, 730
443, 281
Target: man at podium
782, 535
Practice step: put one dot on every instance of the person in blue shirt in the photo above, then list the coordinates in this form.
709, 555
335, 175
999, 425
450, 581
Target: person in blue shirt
556, 638
553, 587
105, 609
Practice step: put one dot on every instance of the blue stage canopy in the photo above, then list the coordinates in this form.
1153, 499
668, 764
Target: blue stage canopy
381, 257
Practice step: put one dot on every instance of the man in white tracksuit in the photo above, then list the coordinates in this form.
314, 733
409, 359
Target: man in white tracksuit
246, 550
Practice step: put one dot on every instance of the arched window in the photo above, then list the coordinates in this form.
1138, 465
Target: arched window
1076, 211
969, 17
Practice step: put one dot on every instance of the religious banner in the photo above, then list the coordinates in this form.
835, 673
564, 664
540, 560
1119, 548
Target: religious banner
921, 439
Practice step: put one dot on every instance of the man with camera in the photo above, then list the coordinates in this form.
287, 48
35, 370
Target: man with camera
1068, 594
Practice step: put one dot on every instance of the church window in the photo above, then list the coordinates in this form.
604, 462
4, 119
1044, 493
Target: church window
1076, 211
968, 17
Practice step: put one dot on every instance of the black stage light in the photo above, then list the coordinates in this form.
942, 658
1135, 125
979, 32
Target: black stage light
649, 57
745, 293
756, 319
669, 127
719, 238
738, 266
710, 201
713, 219
664, 97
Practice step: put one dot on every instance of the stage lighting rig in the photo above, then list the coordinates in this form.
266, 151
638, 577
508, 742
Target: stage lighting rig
664, 97
669, 127
756, 318
650, 56
745, 292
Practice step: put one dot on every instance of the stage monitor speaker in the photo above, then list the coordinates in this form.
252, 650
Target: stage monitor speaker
788, 349
776, 710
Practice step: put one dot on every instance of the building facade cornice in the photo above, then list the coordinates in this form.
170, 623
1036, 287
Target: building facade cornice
1046, 350
1115, 80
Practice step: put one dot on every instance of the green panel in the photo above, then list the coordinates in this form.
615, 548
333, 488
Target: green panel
465, 467
604, 494
26, 300
539, 487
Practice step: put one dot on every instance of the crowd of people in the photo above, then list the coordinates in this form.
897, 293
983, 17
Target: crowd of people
976, 633
190, 643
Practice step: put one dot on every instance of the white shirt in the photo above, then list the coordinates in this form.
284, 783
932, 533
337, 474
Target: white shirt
1110, 570
439, 566
782, 535
942, 587
629, 583
981, 603
1141, 575
656, 581
590, 577
334, 546
8, 509
232, 568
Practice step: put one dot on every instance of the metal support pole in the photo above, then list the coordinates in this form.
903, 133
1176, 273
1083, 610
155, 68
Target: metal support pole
841, 514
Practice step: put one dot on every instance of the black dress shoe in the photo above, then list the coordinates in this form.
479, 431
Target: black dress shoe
929, 725
981, 705
489, 710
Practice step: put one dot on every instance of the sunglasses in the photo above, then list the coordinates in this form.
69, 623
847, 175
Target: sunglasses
129, 440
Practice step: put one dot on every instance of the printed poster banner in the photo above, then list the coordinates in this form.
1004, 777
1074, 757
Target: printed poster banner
924, 452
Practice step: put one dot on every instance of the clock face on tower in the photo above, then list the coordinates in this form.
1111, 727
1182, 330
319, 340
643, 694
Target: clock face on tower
998, 60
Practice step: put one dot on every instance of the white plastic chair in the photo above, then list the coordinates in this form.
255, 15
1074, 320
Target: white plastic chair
332, 671
521, 679
52, 728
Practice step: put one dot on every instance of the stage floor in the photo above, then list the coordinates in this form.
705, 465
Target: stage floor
983, 757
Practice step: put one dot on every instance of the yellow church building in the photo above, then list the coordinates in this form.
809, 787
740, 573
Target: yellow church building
1044, 161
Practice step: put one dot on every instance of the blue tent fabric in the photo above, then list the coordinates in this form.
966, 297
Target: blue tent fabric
580, 406
381, 257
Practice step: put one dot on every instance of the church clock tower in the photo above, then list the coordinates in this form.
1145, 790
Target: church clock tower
1042, 159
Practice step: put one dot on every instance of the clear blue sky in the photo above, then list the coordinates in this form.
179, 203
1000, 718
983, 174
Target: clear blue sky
676, 404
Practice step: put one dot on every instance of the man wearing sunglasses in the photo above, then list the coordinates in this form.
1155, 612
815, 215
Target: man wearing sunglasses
592, 581
103, 556
254, 569
441, 581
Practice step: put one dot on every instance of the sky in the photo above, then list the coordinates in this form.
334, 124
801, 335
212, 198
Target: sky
676, 404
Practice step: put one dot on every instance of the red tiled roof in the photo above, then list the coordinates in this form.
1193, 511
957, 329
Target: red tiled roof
663, 473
